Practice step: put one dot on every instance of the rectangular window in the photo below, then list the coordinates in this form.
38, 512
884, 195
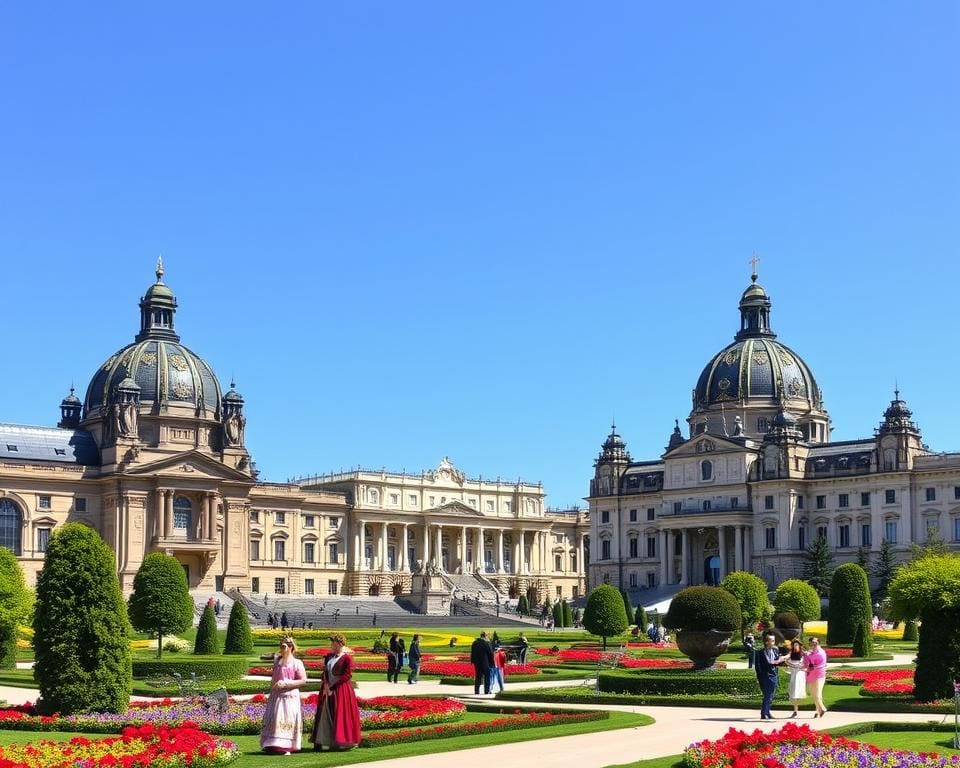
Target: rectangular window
800, 502
651, 546
559, 591
633, 580
651, 514
634, 547
43, 539
395, 498
706, 505
605, 549
802, 537
279, 549
308, 549
633, 515
770, 534
931, 494
865, 499
331, 587
44, 502
412, 498
80, 504
890, 497
651, 579
822, 532
309, 521
890, 531
557, 563
866, 535
254, 516
280, 518
677, 507
334, 554
254, 549
762, 424
768, 502
575, 591
933, 529
334, 522
255, 585
956, 529
489, 505
573, 562
843, 500
280, 586
605, 516
844, 531
956, 491
734, 502
821, 502
508, 506
308, 586
678, 544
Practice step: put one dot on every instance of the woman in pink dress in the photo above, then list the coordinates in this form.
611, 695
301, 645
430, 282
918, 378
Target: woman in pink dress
816, 661
283, 719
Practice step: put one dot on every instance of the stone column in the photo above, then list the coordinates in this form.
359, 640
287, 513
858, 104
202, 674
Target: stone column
748, 548
500, 550
426, 544
581, 565
684, 558
168, 514
384, 565
664, 557
738, 548
158, 525
722, 546
404, 546
478, 561
439, 548
362, 561
463, 549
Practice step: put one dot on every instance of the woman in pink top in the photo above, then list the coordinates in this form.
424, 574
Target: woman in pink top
816, 660
283, 719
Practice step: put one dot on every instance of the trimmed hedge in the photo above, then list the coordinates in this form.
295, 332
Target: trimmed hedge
211, 668
849, 605
704, 608
668, 682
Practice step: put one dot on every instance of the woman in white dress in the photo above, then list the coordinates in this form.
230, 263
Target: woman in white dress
796, 662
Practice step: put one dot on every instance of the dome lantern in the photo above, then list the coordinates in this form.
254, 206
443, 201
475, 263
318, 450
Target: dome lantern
614, 449
70, 408
157, 308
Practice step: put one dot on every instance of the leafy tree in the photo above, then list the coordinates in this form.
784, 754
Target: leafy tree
207, 641
750, 592
16, 602
81, 631
567, 614
161, 601
863, 558
818, 566
934, 545
929, 589
605, 615
640, 618
796, 596
884, 568
850, 604
239, 639
627, 608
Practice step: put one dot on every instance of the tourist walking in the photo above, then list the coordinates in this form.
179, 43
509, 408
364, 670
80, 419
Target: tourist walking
751, 646
766, 661
816, 674
282, 718
414, 660
796, 662
481, 656
337, 724
393, 658
499, 667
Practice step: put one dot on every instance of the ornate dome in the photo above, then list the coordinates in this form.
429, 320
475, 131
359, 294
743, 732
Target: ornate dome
166, 372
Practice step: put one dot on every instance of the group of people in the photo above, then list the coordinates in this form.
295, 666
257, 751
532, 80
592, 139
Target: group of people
337, 722
489, 660
808, 670
398, 655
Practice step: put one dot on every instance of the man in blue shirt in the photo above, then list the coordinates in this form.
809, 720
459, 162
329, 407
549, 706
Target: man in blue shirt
766, 661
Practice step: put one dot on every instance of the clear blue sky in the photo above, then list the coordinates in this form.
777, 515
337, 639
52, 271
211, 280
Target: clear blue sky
482, 230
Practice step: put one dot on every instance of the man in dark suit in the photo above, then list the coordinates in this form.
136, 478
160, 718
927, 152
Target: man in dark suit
481, 656
766, 661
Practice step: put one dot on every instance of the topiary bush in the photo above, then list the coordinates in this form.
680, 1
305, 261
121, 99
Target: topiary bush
627, 608
81, 633
798, 597
558, 615
678, 682
910, 631
641, 618
523, 606
160, 601
703, 608
605, 615
207, 642
16, 602
567, 613
239, 639
849, 604
210, 668
787, 625
750, 592
862, 642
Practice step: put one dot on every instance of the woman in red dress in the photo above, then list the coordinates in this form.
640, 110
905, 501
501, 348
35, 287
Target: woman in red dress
337, 725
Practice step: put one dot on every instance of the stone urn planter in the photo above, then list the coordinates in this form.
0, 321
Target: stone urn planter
787, 633
703, 647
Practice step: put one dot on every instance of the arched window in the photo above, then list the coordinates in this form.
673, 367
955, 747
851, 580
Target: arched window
706, 470
11, 523
374, 497
182, 513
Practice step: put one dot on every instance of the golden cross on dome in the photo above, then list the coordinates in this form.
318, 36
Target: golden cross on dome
753, 264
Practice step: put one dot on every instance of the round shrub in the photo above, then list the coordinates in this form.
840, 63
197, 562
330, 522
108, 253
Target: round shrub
175, 644
751, 594
207, 641
849, 604
605, 615
798, 597
81, 633
703, 609
238, 638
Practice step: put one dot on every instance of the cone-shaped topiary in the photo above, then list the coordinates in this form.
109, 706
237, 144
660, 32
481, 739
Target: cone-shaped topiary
239, 639
523, 606
207, 641
849, 604
627, 608
81, 633
910, 631
557, 615
703, 608
640, 618
862, 642
567, 613
605, 615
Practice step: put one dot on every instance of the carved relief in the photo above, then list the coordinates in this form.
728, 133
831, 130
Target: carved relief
760, 357
179, 362
731, 357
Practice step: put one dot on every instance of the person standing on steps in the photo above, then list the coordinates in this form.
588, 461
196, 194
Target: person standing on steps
766, 661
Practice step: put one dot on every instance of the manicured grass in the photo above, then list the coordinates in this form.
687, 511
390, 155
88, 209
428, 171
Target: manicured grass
671, 761
253, 758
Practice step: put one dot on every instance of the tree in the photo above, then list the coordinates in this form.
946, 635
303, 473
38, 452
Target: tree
862, 642
863, 558
523, 606
81, 631
796, 596
627, 608
605, 615
207, 642
16, 602
567, 613
161, 601
818, 566
934, 545
750, 592
239, 639
929, 589
910, 633
850, 604
558, 615
640, 618
547, 609
884, 568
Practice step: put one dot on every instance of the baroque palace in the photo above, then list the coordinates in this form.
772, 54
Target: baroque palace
758, 479
155, 459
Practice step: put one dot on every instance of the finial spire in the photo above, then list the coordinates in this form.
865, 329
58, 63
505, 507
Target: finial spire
896, 389
160, 268
753, 267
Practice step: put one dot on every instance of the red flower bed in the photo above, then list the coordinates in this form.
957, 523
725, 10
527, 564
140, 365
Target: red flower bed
839, 653
880, 682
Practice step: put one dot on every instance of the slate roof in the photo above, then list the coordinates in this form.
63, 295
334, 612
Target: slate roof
49, 444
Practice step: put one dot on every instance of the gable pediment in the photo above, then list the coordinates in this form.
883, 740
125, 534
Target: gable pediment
192, 465
703, 445
456, 509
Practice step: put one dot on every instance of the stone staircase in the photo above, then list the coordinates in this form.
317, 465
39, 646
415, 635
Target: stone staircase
471, 587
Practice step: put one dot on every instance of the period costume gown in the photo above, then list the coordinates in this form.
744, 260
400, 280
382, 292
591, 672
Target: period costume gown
337, 725
283, 719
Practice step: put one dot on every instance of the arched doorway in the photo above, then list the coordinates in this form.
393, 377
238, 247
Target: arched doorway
711, 570
397, 589
374, 590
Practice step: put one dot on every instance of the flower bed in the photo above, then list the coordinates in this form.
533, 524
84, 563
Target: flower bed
796, 746
513, 722
880, 682
135, 748
839, 653
241, 717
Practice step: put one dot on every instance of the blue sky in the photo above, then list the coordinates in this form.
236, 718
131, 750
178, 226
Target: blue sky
418, 229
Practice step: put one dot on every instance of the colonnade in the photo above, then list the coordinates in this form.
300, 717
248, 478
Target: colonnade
163, 514
742, 551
